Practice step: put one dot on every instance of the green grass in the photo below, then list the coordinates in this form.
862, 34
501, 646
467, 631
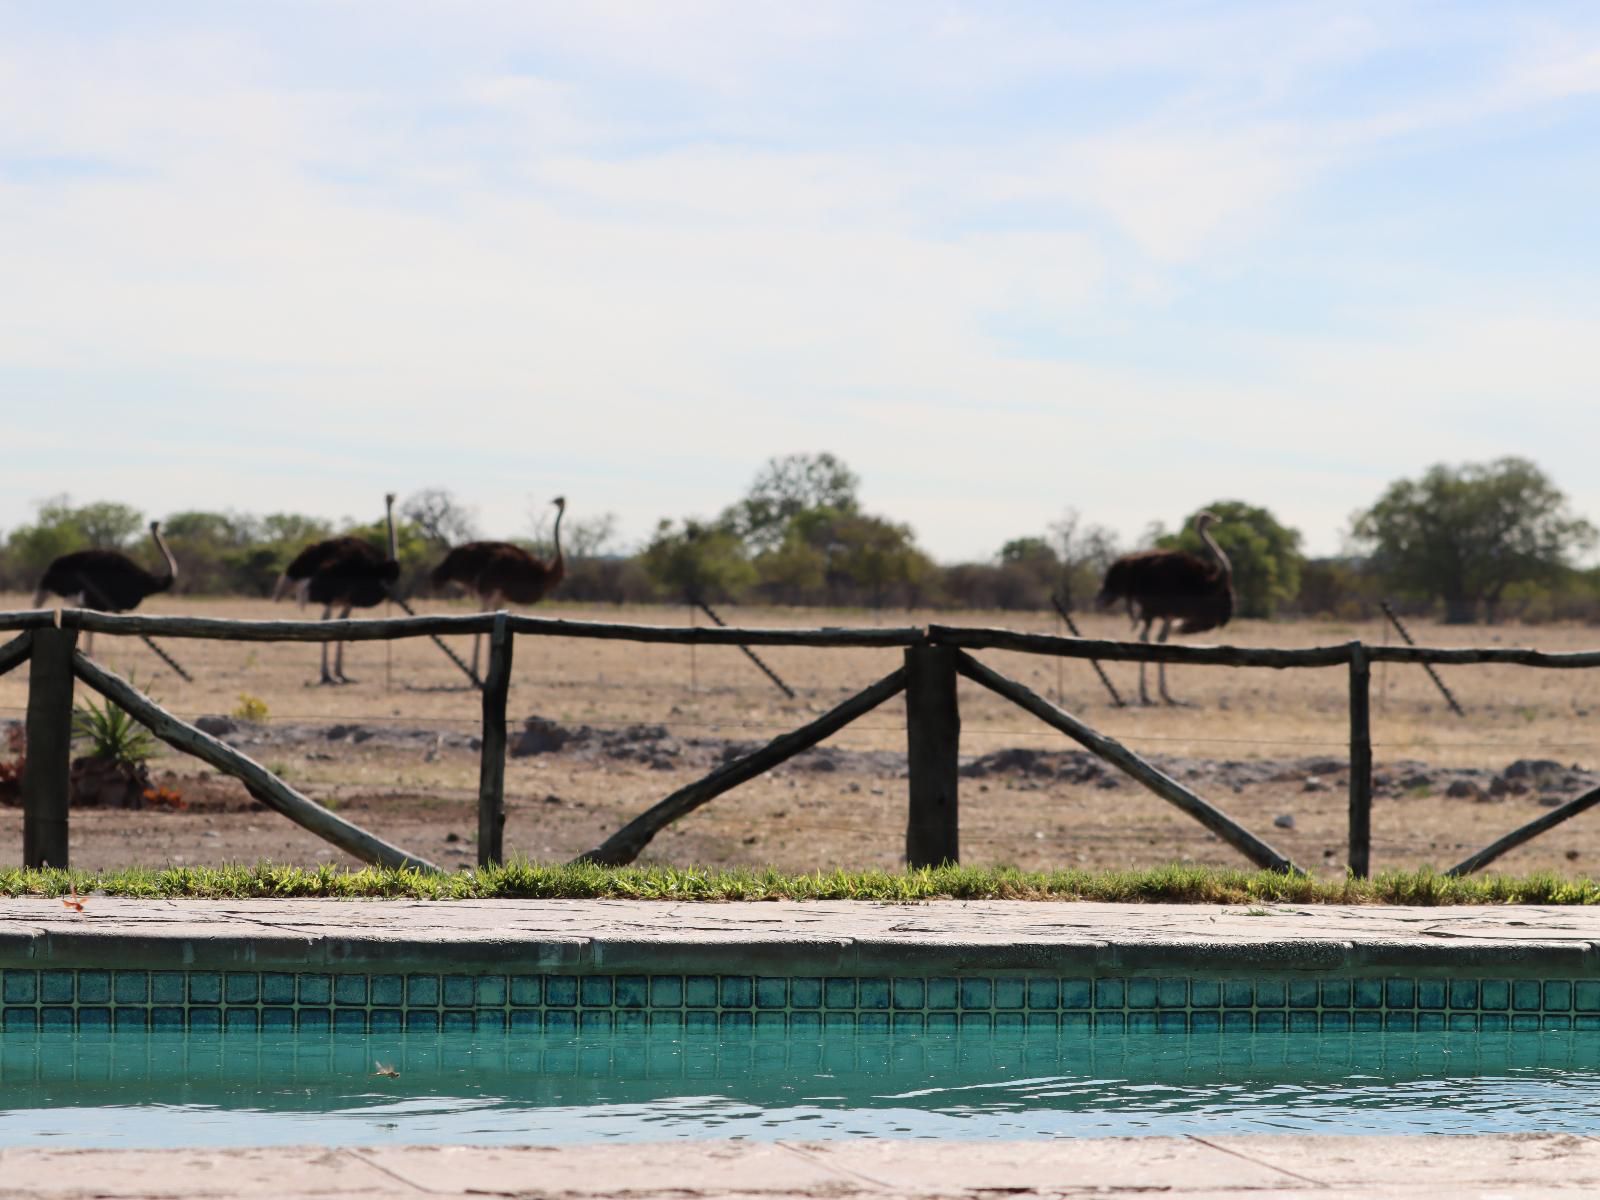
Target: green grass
521, 880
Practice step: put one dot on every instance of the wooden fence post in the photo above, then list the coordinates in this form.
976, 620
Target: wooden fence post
45, 783
933, 742
492, 764
1360, 762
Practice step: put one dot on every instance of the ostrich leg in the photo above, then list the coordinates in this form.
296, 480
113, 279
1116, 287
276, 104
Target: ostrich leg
489, 605
338, 654
1161, 668
327, 612
1144, 636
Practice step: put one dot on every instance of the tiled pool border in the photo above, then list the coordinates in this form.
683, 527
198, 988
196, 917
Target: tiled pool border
96, 998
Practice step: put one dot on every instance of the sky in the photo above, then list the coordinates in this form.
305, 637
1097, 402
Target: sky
1004, 259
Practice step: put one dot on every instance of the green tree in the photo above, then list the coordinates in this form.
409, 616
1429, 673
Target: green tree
1264, 552
60, 528
865, 555
696, 561
786, 487
1464, 534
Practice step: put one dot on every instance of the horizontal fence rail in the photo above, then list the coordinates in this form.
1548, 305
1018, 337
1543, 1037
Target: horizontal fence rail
934, 656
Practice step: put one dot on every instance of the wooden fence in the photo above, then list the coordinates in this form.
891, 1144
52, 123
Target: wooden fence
934, 658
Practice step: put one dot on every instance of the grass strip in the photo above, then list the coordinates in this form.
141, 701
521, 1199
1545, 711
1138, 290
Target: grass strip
530, 881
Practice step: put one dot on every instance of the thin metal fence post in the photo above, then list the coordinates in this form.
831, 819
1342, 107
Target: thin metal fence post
492, 764
1360, 762
46, 781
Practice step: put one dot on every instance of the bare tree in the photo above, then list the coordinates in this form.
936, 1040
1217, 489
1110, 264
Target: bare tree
441, 517
587, 537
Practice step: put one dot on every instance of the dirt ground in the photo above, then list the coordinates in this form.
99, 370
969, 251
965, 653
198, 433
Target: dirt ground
396, 751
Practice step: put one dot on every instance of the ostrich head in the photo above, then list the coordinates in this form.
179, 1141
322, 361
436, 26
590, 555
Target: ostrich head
1204, 519
560, 502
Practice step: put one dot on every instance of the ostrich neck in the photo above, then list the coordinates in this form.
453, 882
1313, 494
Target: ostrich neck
394, 546
561, 512
1222, 559
172, 563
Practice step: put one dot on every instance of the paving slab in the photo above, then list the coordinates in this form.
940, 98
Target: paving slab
1511, 1167
842, 936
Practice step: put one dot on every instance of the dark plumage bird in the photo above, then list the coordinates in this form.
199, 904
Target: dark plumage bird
343, 573
105, 580
1174, 587
501, 571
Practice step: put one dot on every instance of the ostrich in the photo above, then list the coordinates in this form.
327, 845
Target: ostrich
501, 571
105, 580
344, 572
1173, 585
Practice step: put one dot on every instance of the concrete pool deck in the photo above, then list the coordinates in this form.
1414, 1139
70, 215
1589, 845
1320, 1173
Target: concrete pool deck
821, 936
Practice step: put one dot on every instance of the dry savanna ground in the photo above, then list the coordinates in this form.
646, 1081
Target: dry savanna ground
392, 751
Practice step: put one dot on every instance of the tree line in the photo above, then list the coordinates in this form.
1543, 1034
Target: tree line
1486, 541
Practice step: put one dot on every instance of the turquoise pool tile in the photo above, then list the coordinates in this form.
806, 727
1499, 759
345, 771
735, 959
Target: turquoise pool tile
1366, 1021
489, 991
241, 1020
241, 987
456, 1020
422, 991
1238, 1020
57, 987
1041, 1022
1010, 1022
460, 991
1108, 994
972, 1021
595, 991
1557, 995
1493, 1022
1303, 993
1430, 1022
57, 1018
94, 1020
771, 1021
735, 1022
872, 994
347, 990
1464, 994
1170, 1020
209, 1020
1336, 993
1431, 993
21, 1020
1405, 1022
1303, 1020
277, 1019
1399, 993
1109, 1022
941, 1022
666, 991
839, 993
1077, 993
737, 991
94, 987
385, 1020
314, 1020
806, 1023
277, 988
1585, 995
908, 1022
631, 991
1494, 995
1010, 993
1141, 993
805, 992
910, 993
1464, 1022
166, 1019
386, 991
167, 987
1076, 1022
1557, 1021
867, 1022
422, 1020
1526, 1022
772, 992
977, 994
1044, 994
700, 991
491, 1020
314, 988
1238, 993
1367, 993
1172, 993
529, 1020
1142, 1021
560, 1020
1526, 995
630, 1020
700, 1021
131, 987
1586, 1022
1205, 993
1271, 993
1271, 1021
560, 991
20, 987
944, 994
1335, 1021
526, 991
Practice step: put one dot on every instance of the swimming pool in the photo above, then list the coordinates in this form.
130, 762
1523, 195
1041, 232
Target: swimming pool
155, 1090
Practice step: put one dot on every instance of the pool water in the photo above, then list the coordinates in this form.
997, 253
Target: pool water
155, 1089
